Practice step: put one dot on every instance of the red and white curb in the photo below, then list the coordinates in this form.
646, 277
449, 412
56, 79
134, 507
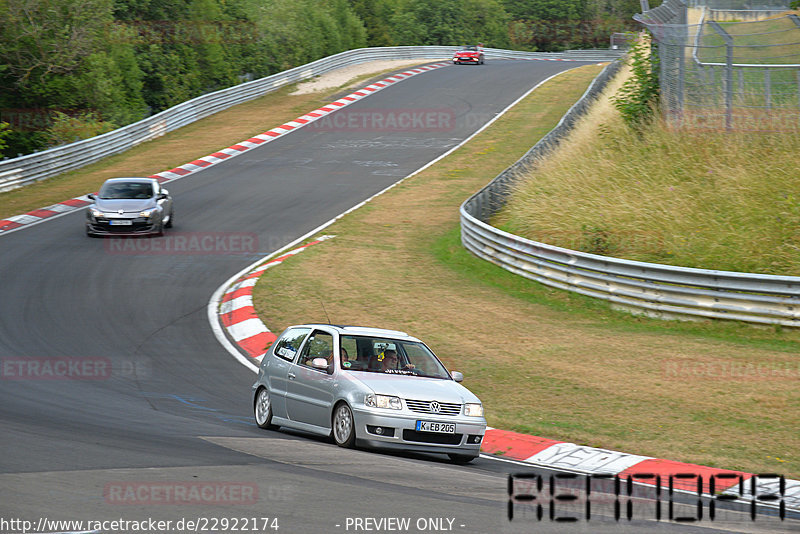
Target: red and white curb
237, 314
17, 222
644, 469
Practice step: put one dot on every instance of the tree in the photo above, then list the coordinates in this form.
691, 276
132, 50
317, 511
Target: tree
68, 129
450, 23
376, 16
546, 9
43, 37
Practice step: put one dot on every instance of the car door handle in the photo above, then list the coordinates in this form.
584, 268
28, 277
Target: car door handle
292, 376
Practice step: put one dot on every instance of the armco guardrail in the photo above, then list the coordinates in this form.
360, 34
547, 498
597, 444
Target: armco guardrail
657, 290
20, 171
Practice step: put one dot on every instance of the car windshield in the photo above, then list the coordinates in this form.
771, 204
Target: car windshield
126, 190
470, 47
392, 356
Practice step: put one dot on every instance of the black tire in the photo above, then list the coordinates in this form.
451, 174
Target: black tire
461, 458
262, 410
343, 426
169, 222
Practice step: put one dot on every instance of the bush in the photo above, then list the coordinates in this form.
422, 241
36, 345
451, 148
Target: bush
70, 128
637, 99
5, 131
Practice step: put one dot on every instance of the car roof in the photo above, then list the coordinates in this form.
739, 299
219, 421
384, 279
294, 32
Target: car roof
363, 331
132, 179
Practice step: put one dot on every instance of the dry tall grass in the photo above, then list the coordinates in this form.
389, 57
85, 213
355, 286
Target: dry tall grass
714, 200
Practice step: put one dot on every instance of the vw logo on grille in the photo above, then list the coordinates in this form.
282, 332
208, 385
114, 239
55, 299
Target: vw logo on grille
434, 407
120, 212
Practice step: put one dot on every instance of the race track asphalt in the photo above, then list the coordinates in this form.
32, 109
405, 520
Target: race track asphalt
156, 402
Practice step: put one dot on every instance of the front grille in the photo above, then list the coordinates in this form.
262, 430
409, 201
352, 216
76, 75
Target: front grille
445, 408
432, 437
139, 224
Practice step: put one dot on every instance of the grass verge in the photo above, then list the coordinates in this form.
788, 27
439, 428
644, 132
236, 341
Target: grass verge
713, 200
545, 362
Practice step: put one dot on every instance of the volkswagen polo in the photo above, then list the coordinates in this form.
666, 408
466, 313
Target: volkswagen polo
368, 387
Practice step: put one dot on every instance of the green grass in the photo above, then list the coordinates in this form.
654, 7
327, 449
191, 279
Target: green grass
749, 40
763, 99
448, 250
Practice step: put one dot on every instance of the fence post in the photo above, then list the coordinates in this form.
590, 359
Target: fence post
684, 40
728, 72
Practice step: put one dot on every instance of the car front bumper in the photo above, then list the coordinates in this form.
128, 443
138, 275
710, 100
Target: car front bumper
380, 429
138, 226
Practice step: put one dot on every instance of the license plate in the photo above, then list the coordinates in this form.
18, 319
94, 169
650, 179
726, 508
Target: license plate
120, 223
432, 426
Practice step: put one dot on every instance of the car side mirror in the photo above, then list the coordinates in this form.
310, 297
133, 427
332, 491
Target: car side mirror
91, 196
458, 377
320, 363
162, 196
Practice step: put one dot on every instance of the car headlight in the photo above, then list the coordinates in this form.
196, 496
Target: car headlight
147, 213
383, 401
473, 410
96, 213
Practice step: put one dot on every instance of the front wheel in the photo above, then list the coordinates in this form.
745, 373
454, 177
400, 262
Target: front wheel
343, 426
263, 410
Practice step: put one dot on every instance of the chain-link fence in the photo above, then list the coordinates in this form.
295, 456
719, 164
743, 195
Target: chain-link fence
728, 65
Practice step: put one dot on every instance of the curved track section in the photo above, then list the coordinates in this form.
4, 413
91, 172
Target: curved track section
116, 399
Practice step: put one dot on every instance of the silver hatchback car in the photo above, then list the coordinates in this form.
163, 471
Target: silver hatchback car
367, 386
129, 206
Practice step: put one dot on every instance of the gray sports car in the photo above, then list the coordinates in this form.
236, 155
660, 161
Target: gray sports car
367, 386
129, 206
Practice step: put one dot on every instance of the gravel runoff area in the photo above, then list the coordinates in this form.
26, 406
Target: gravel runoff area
339, 77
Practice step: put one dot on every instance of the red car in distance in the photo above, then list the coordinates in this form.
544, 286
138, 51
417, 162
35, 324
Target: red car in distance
469, 54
